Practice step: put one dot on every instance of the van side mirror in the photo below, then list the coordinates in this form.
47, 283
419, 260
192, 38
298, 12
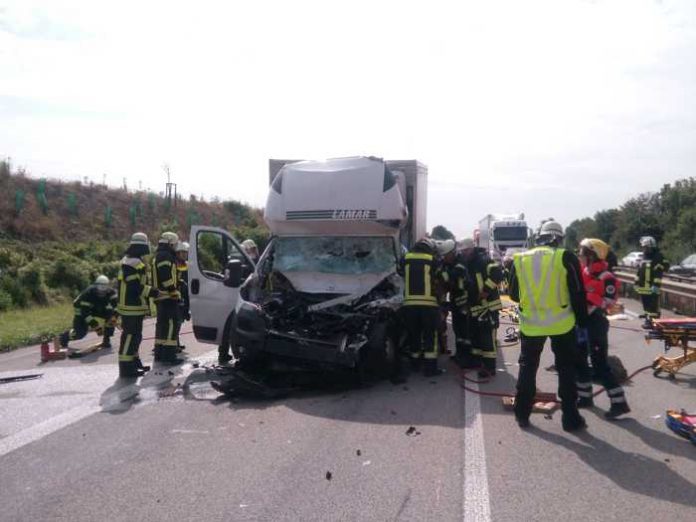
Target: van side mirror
233, 273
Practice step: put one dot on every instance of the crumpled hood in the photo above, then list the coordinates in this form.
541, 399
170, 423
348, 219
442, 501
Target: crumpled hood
319, 283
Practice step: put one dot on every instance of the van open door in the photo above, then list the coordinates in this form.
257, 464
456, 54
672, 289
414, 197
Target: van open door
217, 267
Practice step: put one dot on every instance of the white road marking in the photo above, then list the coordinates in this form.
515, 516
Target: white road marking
630, 314
90, 406
40, 430
476, 503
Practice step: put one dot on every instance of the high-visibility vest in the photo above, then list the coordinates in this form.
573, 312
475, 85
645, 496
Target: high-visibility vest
418, 275
544, 298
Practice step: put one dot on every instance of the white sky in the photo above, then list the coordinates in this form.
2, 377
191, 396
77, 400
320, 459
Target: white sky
555, 108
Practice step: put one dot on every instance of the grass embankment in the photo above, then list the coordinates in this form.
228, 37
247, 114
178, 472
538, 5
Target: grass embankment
23, 327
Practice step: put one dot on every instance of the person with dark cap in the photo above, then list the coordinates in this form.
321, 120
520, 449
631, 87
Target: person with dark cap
546, 281
133, 305
165, 279
420, 310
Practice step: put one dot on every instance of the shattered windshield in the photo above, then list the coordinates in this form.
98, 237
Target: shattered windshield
335, 255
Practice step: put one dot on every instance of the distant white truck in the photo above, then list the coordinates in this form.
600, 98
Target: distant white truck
497, 233
325, 290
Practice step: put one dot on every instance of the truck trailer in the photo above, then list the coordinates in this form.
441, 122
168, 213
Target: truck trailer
325, 291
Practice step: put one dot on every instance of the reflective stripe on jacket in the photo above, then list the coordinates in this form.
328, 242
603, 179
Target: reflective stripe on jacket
544, 298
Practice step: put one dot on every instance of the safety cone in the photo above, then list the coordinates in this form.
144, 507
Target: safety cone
52, 355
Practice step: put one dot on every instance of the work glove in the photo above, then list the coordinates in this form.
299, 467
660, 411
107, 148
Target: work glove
581, 335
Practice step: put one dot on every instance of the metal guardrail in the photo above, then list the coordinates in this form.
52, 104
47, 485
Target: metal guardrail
678, 292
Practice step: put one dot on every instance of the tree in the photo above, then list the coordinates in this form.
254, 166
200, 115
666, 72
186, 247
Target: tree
441, 232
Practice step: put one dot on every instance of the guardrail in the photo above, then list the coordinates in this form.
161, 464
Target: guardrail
678, 292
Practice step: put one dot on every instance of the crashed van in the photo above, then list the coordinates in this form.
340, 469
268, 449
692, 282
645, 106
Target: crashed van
325, 291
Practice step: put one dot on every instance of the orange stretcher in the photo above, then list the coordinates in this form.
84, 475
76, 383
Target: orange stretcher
675, 333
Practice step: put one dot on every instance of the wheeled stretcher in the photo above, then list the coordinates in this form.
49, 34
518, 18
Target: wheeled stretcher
674, 333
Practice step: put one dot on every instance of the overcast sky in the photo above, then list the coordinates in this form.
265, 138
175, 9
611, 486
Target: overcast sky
555, 108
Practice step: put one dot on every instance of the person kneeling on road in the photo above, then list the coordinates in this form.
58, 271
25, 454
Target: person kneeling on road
94, 309
601, 289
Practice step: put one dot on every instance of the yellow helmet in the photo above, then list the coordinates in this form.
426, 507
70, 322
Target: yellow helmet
599, 247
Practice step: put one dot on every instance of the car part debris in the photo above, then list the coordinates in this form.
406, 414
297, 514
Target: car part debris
16, 378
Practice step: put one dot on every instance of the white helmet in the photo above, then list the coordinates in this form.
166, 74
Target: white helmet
101, 280
248, 244
182, 246
466, 243
139, 238
551, 228
648, 242
445, 246
169, 238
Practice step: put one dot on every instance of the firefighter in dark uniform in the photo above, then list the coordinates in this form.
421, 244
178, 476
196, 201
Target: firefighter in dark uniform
134, 294
484, 307
447, 252
165, 279
459, 283
546, 281
649, 279
601, 287
420, 310
182, 249
95, 309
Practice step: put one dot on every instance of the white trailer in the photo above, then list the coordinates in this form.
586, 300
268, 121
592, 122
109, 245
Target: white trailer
498, 232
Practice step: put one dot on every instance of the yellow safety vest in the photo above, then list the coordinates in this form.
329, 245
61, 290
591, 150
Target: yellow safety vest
544, 298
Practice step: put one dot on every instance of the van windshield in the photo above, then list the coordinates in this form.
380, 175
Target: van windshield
335, 255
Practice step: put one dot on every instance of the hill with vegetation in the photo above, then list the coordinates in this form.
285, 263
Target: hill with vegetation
55, 236
668, 215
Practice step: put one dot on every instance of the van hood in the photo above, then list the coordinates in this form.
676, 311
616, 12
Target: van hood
320, 283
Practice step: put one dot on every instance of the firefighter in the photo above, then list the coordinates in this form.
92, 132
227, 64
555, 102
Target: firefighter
601, 287
182, 249
420, 309
649, 279
134, 294
484, 307
546, 281
447, 255
459, 282
94, 309
251, 249
165, 279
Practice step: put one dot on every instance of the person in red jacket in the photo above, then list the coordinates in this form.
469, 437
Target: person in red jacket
601, 290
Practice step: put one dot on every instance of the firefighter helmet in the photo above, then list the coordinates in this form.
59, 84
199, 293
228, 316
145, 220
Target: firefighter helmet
549, 231
170, 238
101, 280
139, 238
466, 244
425, 246
445, 246
648, 242
182, 246
599, 247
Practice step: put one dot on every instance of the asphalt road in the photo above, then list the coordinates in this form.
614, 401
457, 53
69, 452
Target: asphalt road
77, 444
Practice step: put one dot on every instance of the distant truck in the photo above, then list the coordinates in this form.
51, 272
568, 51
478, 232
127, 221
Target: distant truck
324, 293
497, 233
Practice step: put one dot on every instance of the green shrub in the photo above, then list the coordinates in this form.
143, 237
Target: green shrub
5, 301
12, 287
31, 278
69, 272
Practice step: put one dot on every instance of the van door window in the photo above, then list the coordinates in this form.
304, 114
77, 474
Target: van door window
210, 250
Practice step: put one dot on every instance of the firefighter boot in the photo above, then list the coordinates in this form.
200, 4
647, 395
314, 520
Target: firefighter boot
168, 356
128, 370
585, 402
141, 367
616, 410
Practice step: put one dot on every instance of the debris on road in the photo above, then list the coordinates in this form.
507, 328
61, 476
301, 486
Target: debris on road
358, 453
328, 475
16, 378
412, 432
367, 463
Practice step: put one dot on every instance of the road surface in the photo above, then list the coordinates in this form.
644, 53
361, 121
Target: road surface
78, 444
